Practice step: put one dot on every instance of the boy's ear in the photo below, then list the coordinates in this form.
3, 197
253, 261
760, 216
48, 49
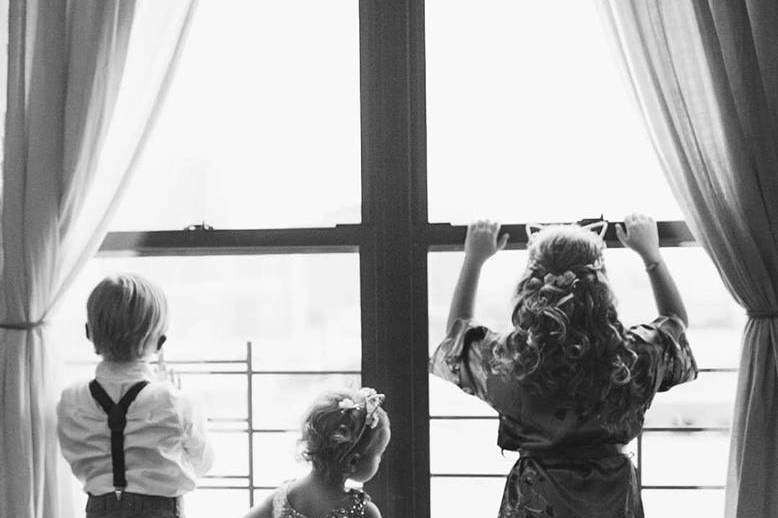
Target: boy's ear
161, 342
86, 331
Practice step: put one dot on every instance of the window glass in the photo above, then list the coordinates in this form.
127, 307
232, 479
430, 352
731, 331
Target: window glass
669, 503
685, 459
299, 312
260, 126
528, 113
280, 401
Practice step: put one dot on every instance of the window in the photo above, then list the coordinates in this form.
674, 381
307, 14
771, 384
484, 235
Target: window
301, 132
264, 112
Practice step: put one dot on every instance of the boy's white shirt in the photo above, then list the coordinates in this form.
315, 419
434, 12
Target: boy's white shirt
165, 442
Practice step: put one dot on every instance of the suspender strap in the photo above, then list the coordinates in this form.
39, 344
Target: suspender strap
117, 421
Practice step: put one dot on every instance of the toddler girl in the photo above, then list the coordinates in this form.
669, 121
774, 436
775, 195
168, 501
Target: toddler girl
570, 383
344, 436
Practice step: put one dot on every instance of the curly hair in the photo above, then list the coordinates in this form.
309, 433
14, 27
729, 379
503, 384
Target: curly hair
330, 433
568, 342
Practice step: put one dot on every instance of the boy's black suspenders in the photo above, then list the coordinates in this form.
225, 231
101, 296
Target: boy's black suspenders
117, 421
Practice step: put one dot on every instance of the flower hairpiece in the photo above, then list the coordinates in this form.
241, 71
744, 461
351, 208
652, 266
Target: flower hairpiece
370, 401
347, 404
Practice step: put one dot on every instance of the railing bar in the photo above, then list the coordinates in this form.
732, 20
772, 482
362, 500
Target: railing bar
640, 458
247, 488
656, 487
681, 429
687, 429
250, 420
467, 475
220, 373
503, 475
304, 373
463, 418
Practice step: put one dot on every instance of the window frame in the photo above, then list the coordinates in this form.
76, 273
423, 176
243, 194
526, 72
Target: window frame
393, 241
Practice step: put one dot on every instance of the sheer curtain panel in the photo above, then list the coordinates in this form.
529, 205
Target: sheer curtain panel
84, 80
705, 74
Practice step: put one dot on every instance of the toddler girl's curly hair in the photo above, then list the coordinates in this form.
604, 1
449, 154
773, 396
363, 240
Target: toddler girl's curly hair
331, 431
568, 342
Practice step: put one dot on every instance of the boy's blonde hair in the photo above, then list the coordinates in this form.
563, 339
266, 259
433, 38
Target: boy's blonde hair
125, 311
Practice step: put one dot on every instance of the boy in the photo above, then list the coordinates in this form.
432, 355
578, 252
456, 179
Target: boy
136, 443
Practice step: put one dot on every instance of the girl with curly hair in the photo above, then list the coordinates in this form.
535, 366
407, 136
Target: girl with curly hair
344, 435
570, 383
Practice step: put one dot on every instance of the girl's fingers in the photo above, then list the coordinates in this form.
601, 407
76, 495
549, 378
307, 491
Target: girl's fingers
621, 234
503, 241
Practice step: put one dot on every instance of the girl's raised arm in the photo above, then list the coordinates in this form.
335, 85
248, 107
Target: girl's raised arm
641, 236
480, 244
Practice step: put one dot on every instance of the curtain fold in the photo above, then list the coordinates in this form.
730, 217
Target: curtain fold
84, 82
705, 75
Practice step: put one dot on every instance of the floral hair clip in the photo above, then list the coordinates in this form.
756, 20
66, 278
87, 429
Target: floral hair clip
370, 401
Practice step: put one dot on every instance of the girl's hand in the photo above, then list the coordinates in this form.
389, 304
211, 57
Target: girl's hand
481, 242
641, 236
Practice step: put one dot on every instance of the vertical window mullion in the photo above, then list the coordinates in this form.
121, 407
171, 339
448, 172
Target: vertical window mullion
393, 254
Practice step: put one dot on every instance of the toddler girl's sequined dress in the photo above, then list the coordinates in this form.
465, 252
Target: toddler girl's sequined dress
353, 506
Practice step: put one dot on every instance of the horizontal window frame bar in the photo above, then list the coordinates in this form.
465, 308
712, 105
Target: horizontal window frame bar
444, 237
338, 239
345, 238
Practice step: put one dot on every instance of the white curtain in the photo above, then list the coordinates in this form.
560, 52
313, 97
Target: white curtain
85, 79
705, 73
